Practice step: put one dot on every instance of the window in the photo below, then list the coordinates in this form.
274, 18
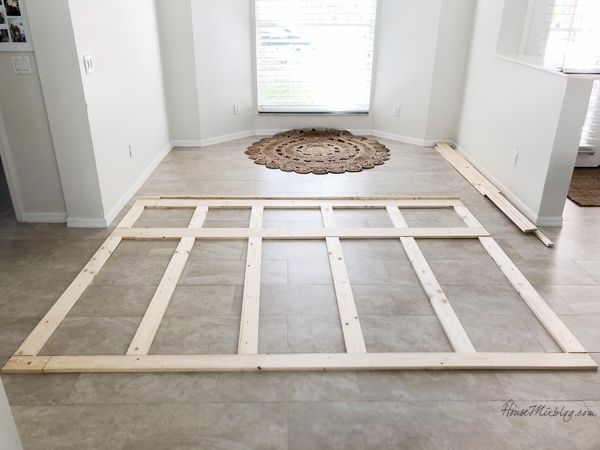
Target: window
571, 35
566, 34
590, 136
314, 56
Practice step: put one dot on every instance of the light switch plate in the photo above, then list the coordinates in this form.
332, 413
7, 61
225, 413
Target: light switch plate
88, 63
21, 65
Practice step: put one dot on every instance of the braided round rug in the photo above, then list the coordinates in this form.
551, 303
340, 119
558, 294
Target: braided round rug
318, 150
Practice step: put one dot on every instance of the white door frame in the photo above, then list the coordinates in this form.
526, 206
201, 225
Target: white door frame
10, 172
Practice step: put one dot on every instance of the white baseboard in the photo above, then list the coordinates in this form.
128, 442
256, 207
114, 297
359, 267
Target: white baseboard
433, 142
214, 140
409, 140
87, 222
370, 132
269, 132
101, 222
44, 217
187, 143
540, 221
549, 221
136, 185
361, 131
397, 137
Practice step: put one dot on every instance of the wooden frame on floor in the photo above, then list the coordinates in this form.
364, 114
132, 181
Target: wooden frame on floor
137, 359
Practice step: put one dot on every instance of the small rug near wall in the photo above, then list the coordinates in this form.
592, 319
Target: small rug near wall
318, 150
585, 187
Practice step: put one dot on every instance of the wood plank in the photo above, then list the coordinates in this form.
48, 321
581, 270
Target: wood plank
248, 340
146, 332
473, 223
297, 203
50, 322
25, 364
353, 336
299, 233
445, 313
315, 362
463, 167
299, 197
485, 187
549, 319
513, 213
467, 216
557, 329
132, 216
542, 237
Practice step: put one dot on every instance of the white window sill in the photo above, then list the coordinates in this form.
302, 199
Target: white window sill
536, 62
312, 113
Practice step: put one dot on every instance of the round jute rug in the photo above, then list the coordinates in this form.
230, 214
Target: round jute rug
318, 150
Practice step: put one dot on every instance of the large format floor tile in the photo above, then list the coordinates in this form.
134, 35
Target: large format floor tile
299, 313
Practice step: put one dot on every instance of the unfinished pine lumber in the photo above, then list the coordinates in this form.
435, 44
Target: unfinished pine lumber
27, 359
489, 190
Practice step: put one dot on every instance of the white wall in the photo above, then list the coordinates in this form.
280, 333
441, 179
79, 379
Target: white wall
422, 52
412, 61
406, 42
451, 58
124, 95
8, 429
179, 68
514, 20
26, 144
509, 106
566, 147
54, 45
223, 48
95, 119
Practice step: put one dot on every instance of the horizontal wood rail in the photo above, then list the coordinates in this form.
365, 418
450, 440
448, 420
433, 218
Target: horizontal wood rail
298, 361
298, 233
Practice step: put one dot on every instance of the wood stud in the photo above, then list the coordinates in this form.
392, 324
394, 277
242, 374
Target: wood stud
353, 337
556, 327
248, 341
137, 359
42, 332
146, 332
439, 302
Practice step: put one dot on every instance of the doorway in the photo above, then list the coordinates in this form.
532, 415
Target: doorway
585, 183
6, 206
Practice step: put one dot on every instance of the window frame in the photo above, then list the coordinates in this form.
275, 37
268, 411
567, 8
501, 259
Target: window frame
534, 33
253, 28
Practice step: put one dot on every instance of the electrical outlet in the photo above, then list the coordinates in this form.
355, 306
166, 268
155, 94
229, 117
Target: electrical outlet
236, 109
88, 64
397, 111
21, 65
515, 158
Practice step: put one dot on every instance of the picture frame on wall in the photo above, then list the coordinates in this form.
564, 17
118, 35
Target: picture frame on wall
17, 31
13, 8
14, 29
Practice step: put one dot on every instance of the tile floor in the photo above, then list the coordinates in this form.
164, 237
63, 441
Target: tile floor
419, 409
